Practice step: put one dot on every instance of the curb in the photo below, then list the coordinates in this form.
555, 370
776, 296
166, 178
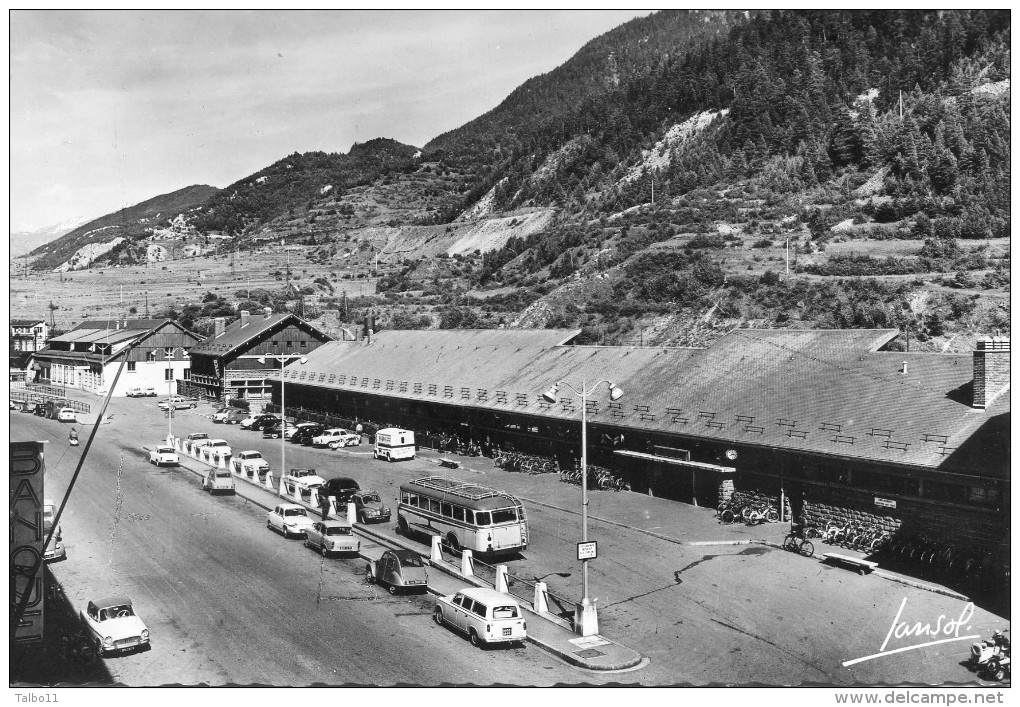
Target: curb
566, 657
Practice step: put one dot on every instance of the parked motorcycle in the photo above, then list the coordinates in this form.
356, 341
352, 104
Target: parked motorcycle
984, 652
998, 667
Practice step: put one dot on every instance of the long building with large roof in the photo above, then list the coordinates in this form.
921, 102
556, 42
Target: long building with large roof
832, 419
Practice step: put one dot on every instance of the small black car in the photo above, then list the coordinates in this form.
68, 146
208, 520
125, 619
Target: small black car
305, 433
340, 488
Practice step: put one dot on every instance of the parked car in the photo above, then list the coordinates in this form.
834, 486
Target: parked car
234, 417
151, 393
332, 536
274, 431
135, 392
302, 480
112, 625
337, 437
177, 403
305, 433
484, 615
66, 415
398, 569
29, 406
219, 447
250, 461
55, 550
258, 422
341, 489
289, 519
195, 439
369, 507
219, 414
164, 455
218, 480
291, 429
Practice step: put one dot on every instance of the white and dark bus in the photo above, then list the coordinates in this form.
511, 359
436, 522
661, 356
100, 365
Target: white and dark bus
465, 515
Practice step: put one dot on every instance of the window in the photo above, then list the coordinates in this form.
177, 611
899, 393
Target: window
290, 344
150, 355
504, 515
446, 509
302, 344
458, 513
504, 612
469, 516
482, 518
434, 505
168, 374
131, 366
187, 374
459, 600
479, 608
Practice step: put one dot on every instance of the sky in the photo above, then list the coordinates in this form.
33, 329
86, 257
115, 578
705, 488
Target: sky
109, 108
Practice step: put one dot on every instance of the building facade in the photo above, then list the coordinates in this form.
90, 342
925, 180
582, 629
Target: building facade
154, 353
29, 334
227, 364
833, 422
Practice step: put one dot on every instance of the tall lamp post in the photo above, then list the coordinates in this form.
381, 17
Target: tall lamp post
587, 624
283, 408
170, 394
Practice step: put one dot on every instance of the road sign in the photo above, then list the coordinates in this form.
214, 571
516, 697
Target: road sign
588, 550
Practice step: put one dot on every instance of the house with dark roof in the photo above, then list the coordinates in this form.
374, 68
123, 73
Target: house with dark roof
29, 334
154, 353
834, 422
227, 364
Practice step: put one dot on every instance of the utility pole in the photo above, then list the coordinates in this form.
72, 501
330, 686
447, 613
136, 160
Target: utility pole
788, 256
146, 304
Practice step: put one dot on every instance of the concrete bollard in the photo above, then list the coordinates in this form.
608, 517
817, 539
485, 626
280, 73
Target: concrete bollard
283, 489
501, 585
296, 493
467, 567
332, 506
269, 480
541, 602
313, 498
437, 549
221, 461
352, 514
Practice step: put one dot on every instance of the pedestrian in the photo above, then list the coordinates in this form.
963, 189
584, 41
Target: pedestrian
324, 506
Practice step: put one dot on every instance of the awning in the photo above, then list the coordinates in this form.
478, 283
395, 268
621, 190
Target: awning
700, 466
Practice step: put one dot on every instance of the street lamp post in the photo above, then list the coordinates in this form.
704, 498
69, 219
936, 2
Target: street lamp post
283, 408
170, 394
587, 623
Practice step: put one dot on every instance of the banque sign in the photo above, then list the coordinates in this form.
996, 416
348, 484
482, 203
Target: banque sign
27, 536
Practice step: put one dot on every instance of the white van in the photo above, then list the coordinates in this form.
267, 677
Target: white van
393, 443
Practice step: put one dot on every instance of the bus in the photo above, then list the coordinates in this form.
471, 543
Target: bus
465, 515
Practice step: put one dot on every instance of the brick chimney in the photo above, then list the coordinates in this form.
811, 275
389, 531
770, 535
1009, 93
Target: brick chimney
991, 369
219, 324
244, 318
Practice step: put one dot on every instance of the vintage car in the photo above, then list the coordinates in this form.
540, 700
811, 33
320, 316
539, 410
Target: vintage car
218, 480
369, 507
234, 417
337, 437
274, 431
195, 439
177, 403
218, 447
29, 406
332, 536
289, 519
304, 434
55, 550
66, 415
485, 615
219, 414
258, 422
135, 392
303, 481
292, 429
111, 624
249, 461
151, 393
341, 489
398, 569
164, 454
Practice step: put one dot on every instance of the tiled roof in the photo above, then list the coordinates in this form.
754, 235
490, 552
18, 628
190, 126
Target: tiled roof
236, 335
114, 324
826, 392
27, 322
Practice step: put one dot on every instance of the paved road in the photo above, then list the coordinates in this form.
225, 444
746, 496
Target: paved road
228, 601
702, 614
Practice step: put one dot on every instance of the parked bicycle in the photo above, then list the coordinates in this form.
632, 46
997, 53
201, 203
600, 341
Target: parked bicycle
795, 542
